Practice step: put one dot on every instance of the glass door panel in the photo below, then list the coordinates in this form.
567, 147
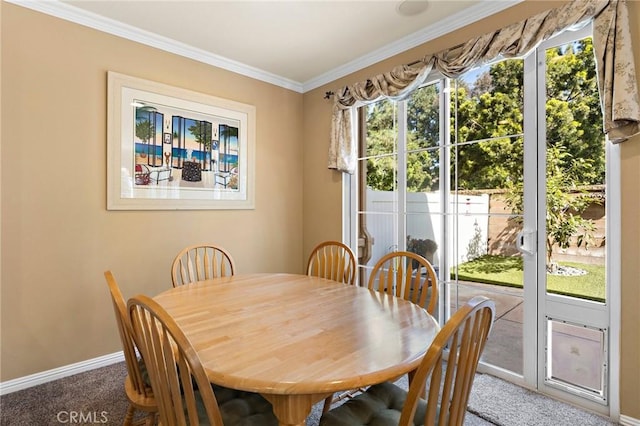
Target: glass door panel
486, 207
575, 174
424, 210
575, 325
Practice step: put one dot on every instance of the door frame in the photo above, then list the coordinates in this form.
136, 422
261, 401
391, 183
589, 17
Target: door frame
560, 307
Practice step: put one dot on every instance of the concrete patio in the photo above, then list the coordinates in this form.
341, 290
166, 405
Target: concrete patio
504, 347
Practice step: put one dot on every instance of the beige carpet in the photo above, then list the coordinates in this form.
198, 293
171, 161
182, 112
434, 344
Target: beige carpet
504, 403
98, 397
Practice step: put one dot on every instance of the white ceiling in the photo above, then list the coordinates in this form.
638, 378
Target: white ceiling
295, 44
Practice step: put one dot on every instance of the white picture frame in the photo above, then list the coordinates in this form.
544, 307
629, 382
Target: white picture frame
175, 149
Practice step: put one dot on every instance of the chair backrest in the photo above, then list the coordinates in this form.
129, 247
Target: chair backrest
201, 262
174, 367
407, 275
126, 336
332, 260
464, 336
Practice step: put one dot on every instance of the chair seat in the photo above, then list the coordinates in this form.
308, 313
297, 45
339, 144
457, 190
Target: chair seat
239, 408
380, 405
141, 402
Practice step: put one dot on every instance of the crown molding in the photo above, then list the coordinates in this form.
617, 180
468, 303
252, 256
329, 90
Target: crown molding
110, 26
447, 25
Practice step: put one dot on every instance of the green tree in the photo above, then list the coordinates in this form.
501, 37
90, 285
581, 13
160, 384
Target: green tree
487, 125
422, 142
491, 120
381, 164
201, 131
566, 201
144, 123
493, 107
489, 113
144, 130
423, 117
574, 115
423, 138
574, 141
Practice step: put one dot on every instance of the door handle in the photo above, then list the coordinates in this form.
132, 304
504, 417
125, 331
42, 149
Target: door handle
524, 242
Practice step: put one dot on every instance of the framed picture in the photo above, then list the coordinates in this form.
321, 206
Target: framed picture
174, 149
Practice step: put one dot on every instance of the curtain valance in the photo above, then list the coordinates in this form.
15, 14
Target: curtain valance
617, 80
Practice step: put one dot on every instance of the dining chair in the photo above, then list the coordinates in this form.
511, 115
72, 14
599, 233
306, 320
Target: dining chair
179, 381
136, 384
333, 260
407, 275
448, 383
403, 274
201, 262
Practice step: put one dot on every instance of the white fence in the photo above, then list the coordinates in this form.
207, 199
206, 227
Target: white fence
424, 220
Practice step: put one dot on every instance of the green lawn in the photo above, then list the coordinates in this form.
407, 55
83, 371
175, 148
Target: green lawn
507, 271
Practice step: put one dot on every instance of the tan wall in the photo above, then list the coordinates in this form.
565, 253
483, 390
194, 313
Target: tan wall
58, 237
630, 277
630, 249
322, 187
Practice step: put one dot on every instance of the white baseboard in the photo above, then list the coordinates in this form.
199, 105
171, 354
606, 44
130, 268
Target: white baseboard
58, 373
629, 421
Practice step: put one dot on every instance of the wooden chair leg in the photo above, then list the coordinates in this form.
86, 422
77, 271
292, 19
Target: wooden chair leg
128, 418
148, 420
151, 419
327, 404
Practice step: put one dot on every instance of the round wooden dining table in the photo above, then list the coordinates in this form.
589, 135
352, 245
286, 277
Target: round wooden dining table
297, 339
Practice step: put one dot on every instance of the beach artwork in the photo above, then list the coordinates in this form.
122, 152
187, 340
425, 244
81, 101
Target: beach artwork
170, 148
200, 149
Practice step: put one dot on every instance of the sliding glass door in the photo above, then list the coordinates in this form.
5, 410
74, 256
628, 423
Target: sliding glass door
498, 179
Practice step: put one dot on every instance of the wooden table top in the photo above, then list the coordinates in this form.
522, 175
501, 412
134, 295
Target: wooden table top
295, 334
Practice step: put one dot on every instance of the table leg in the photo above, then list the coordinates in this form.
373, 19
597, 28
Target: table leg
293, 410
